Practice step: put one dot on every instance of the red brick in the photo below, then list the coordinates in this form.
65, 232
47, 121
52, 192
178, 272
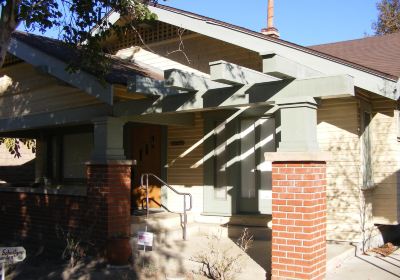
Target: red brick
299, 220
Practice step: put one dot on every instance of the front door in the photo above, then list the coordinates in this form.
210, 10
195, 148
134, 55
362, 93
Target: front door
257, 137
146, 152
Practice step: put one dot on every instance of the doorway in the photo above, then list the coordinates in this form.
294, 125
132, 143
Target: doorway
146, 144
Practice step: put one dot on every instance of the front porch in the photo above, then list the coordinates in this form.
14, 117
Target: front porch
242, 142
230, 145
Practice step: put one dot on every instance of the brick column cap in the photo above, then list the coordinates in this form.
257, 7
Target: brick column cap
312, 156
110, 162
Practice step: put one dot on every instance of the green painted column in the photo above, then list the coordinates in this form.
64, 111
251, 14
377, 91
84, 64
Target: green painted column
108, 139
298, 124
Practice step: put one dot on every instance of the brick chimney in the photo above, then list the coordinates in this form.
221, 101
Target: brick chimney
270, 30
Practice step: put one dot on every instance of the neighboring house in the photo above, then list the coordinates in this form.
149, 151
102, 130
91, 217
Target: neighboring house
246, 123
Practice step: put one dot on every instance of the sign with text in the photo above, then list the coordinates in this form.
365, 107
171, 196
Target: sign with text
145, 238
11, 255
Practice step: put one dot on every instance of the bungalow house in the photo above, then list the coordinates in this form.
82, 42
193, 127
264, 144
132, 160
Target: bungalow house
246, 123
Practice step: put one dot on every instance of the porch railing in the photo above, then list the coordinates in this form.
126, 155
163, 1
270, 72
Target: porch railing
144, 180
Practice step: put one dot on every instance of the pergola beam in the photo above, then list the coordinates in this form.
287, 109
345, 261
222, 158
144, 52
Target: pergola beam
186, 81
149, 86
232, 74
65, 117
248, 95
284, 68
184, 119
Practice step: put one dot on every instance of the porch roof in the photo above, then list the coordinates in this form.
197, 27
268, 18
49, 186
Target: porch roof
120, 70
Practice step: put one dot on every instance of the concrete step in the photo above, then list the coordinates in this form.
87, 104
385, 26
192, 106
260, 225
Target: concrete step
338, 253
235, 231
167, 226
162, 221
242, 220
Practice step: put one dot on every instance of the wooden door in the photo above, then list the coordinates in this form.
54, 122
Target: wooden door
146, 151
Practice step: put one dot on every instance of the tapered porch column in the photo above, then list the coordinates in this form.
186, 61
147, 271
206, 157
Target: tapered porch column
298, 195
109, 182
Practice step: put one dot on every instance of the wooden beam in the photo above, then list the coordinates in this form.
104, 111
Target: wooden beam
65, 117
232, 74
186, 81
182, 119
55, 67
248, 95
122, 93
281, 67
149, 86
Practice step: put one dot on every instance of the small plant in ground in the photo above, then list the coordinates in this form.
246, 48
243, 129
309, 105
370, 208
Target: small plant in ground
219, 261
76, 246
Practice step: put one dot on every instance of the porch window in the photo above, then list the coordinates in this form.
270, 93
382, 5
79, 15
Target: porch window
220, 159
77, 149
366, 152
257, 138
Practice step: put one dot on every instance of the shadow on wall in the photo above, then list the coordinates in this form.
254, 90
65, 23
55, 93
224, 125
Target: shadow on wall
38, 221
18, 175
352, 212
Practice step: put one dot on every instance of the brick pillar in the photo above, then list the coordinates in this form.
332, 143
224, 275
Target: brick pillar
298, 220
109, 198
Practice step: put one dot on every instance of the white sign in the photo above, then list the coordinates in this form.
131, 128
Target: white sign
11, 255
145, 238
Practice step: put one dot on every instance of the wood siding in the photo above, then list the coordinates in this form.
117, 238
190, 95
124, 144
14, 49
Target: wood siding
180, 140
25, 91
338, 134
385, 161
180, 173
200, 50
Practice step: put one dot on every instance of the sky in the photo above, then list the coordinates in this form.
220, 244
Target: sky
305, 22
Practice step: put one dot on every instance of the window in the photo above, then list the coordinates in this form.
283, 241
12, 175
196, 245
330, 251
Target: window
257, 138
77, 149
220, 190
366, 158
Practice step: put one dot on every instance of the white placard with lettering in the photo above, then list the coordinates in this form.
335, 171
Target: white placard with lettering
11, 255
145, 238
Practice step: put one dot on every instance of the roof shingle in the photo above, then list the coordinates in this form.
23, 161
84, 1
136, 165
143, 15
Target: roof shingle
380, 53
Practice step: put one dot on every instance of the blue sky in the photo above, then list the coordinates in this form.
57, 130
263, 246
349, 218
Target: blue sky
305, 22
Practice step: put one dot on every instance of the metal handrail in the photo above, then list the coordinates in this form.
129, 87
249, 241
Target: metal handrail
147, 175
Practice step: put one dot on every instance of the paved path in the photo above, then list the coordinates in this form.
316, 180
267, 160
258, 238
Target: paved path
362, 267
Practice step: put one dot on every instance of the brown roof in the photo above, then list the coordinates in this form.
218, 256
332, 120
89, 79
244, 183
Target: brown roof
119, 73
381, 53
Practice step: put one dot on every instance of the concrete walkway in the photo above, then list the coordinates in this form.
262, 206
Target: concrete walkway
366, 267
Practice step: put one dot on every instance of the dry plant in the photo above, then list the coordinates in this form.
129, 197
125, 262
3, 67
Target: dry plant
219, 261
76, 246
